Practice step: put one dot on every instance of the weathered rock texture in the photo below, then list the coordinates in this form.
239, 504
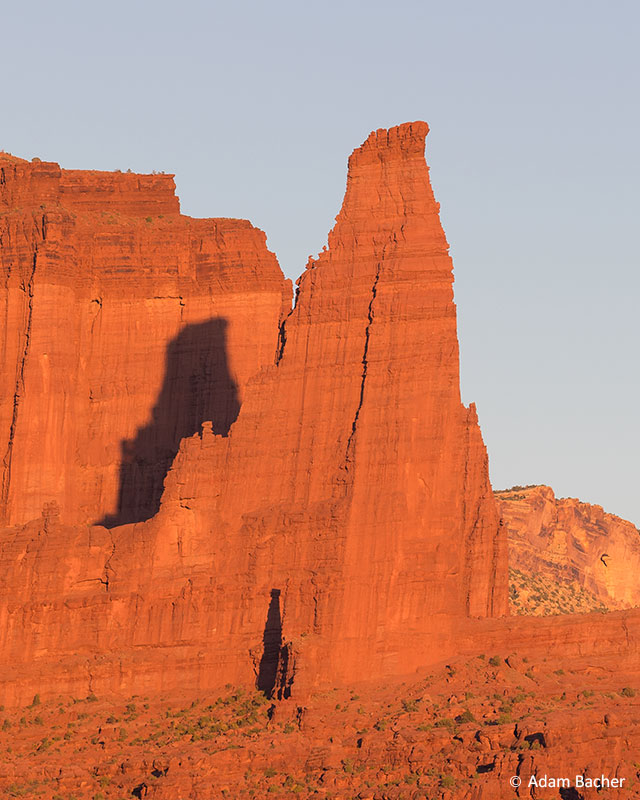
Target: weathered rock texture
564, 540
123, 326
346, 523
460, 732
371, 509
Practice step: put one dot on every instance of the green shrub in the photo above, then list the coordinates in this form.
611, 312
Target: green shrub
495, 661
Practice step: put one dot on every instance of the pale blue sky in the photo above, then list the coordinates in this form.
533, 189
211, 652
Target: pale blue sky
535, 124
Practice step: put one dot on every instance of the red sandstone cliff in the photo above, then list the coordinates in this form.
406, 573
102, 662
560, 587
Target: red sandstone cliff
346, 519
123, 325
371, 509
562, 539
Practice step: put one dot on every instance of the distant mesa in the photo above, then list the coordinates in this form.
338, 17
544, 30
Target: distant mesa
566, 556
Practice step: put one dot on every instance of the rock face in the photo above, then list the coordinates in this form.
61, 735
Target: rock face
354, 476
345, 520
123, 326
564, 540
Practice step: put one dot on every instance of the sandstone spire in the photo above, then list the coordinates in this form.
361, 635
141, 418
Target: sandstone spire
354, 480
345, 518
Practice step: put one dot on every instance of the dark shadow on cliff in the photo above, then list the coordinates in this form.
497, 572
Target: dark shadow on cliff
271, 647
197, 387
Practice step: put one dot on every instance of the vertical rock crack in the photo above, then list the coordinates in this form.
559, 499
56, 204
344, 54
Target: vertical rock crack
19, 387
365, 361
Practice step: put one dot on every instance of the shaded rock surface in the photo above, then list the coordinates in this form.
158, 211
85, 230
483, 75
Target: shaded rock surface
123, 326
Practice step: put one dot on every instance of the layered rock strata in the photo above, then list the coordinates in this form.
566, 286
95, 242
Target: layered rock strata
564, 540
123, 326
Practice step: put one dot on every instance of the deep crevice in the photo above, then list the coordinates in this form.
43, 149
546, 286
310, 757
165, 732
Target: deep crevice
8, 456
365, 363
282, 340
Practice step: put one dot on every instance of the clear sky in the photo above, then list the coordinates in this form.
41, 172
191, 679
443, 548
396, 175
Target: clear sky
534, 155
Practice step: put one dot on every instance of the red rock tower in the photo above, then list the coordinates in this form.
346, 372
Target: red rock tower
343, 529
354, 480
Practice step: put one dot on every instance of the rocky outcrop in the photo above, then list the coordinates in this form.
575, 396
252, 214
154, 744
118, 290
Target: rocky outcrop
458, 732
123, 326
564, 541
347, 517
